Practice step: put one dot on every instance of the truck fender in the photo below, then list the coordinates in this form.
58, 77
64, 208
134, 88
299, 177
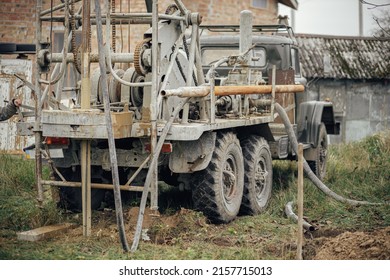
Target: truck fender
311, 115
191, 156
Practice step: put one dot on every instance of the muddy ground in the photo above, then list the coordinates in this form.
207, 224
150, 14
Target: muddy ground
359, 245
325, 243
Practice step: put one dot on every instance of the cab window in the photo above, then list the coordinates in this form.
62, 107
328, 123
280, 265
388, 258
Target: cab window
295, 62
212, 55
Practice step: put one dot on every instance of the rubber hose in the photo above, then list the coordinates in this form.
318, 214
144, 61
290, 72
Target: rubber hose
111, 142
310, 174
290, 213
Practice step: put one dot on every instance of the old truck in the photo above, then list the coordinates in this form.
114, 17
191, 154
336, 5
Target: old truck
194, 109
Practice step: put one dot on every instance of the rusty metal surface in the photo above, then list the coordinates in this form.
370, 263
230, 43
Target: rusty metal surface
286, 100
232, 90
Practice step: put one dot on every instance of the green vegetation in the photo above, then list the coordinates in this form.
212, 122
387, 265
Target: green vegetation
18, 203
357, 170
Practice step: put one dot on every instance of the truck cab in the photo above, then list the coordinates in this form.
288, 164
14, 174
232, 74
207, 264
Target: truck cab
275, 46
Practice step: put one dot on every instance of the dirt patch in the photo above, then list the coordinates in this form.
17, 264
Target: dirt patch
163, 229
359, 245
150, 217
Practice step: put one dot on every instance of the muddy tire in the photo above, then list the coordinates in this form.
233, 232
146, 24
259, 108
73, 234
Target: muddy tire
258, 175
218, 189
318, 166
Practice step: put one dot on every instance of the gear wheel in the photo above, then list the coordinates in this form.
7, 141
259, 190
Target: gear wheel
139, 49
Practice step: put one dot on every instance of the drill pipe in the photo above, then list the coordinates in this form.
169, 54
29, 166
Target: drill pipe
231, 90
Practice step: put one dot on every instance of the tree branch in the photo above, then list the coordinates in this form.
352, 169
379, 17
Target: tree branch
373, 5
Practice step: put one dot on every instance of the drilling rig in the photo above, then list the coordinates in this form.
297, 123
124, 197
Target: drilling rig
197, 112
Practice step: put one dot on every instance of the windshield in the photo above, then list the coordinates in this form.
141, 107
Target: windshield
211, 55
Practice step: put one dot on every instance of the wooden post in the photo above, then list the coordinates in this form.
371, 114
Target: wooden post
300, 202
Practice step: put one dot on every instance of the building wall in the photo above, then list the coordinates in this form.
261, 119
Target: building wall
362, 107
18, 19
228, 13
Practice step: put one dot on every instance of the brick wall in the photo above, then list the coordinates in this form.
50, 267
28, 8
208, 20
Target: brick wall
228, 11
17, 18
17, 21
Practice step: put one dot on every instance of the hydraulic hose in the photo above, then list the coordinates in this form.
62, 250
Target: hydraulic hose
290, 213
108, 57
110, 134
310, 174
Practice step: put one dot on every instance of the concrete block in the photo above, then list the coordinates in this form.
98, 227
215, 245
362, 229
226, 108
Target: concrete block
44, 232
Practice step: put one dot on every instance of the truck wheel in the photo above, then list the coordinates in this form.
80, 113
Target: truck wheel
218, 189
318, 166
258, 175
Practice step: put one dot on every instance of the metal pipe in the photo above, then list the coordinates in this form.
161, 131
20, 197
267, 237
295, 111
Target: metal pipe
153, 106
145, 15
128, 21
300, 202
93, 185
85, 145
191, 59
138, 171
38, 109
260, 102
231, 90
211, 76
273, 89
142, 18
200, 77
246, 35
181, 7
94, 57
261, 89
187, 92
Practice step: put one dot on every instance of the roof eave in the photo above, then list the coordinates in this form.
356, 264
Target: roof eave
293, 4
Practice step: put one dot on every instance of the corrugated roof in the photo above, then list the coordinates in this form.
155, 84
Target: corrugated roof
344, 57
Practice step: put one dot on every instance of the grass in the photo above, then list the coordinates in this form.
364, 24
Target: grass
355, 170
18, 203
